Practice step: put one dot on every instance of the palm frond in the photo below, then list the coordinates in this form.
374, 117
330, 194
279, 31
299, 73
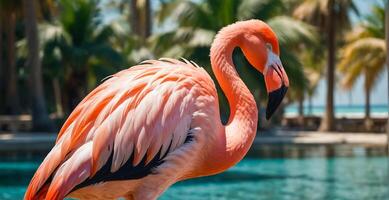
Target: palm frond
310, 10
364, 54
292, 32
201, 37
265, 9
357, 33
316, 12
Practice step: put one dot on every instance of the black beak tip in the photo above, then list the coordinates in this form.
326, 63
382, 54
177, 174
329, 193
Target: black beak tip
275, 99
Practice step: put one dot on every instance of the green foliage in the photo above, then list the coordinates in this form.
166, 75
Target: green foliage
78, 47
79, 42
365, 50
197, 23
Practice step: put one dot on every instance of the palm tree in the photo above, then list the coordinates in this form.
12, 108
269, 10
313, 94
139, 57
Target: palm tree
79, 42
1, 62
10, 14
198, 22
313, 69
135, 15
10, 10
140, 18
387, 59
40, 117
134, 26
330, 16
365, 54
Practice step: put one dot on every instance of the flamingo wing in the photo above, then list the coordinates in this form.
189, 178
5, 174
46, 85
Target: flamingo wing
123, 128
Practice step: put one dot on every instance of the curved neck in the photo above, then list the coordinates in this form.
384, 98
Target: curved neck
240, 130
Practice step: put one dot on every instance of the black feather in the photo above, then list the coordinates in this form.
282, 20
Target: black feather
128, 171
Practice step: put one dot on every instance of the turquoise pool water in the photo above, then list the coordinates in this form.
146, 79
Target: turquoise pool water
310, 178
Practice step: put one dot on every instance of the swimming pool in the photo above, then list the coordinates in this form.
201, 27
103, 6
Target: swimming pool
340, 178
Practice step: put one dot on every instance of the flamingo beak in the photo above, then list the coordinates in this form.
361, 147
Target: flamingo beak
275, 99
277, 83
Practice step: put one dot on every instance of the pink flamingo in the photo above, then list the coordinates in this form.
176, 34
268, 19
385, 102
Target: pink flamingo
157, 123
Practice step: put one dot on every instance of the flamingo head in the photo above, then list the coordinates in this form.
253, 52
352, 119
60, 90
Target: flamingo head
260, 46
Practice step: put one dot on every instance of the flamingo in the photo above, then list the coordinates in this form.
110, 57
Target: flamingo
158, 123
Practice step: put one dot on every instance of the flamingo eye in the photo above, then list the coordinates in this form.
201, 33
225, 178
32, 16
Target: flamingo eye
269, 46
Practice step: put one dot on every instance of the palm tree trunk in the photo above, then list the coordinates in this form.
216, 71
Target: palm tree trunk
301, 106
135, 18
74, 89
147, 19
301, 117
368, 121
327, 123
310, 111
1, 65
12, 96
58, 98
40, 118
140, 18
387, 61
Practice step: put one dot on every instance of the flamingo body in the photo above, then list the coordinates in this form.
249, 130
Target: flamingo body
157, 123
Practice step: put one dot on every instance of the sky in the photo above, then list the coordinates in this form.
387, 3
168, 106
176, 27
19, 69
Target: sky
356, 96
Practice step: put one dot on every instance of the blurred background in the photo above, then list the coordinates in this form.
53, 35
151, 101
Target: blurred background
327, 141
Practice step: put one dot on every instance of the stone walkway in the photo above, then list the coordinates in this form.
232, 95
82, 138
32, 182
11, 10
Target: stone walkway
27, 141
322, 138
45, 141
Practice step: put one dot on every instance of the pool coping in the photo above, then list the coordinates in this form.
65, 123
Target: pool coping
45, 141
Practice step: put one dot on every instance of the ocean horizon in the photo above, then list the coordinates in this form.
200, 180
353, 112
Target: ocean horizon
357, 111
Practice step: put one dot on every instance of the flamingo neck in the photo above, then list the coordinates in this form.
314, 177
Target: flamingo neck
237, 136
